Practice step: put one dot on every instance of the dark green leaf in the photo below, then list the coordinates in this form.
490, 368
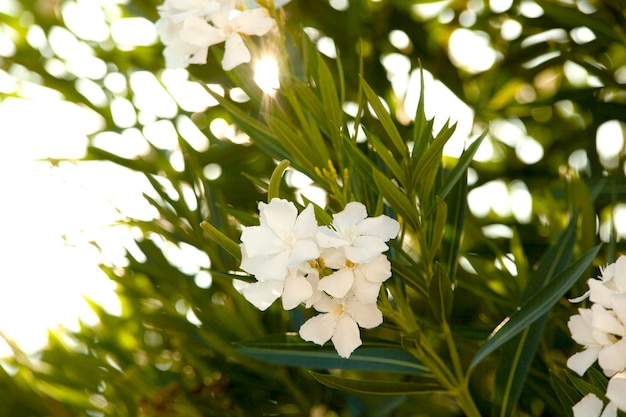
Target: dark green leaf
378, 387
536, 306
290, 349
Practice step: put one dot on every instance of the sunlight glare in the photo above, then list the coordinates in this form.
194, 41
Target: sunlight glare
266, 75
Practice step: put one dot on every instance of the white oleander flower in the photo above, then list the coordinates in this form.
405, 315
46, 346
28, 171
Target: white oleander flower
228, 26
358, 237
340, 321
283, 240
602, 328
179, 52
600, 331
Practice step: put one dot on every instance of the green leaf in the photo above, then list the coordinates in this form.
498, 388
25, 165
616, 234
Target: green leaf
331, 103
222, 240
273, 190
429, 164
583, 386
440, 294
461, 166
378, 387
385, 120
397, 199
536, 306
567, 395
388, 158
289, 349
456, 206
519, 352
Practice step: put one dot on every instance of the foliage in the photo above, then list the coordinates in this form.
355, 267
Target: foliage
463, 309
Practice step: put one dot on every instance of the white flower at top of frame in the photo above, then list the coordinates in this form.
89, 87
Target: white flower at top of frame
179, 10
340, 321
364, 279
591, 406
283, 240
228, 26
250, 4
358, 237
602, 334
295, 289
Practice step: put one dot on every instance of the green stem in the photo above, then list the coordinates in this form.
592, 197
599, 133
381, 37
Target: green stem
466, 402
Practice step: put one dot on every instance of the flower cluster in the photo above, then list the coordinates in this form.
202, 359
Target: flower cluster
338, 269
602, 330
188, 28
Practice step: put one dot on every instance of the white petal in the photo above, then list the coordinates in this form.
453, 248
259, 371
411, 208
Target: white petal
612, 359
262, 294
253, 22
198, 32
328, 238
606, 321
580, 329
382, 226
618, 301
367, 316
338, 283
279, 215
619, 277
365, 291
589, 406
319, 329
235, 52
610, 410
378, 270
327, 304
365, 249
303, 250
333, 258
599, 293
296, 290
581, 361
346, 220
346, 337
306, 224
616, 391
260, 241
269, 267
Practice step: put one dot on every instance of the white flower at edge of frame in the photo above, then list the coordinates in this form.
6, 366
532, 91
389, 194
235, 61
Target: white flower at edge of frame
358, 237
616, 390
283, 240
612, 281
591, 406
340, 321
228, 26
595, 329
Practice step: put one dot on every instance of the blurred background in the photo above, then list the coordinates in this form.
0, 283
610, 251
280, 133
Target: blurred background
107, 159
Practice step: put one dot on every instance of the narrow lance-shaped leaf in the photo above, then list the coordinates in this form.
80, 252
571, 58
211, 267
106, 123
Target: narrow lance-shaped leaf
377, 387
535, 307
567, 395
440, 294
519, 352
385, 120
460, 167
289, 349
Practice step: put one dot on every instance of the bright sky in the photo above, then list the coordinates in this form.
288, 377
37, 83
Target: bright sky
51, 214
